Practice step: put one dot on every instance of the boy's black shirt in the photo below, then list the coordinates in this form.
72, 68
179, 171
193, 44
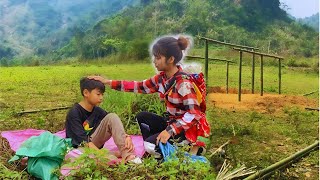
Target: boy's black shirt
75, 120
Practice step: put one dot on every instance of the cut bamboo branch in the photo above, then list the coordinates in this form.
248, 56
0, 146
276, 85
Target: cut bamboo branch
311, 109
310, 93
42, 110
226, 143
283, 162
220, 148
225, 172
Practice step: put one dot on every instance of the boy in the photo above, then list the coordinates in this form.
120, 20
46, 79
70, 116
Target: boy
88, 123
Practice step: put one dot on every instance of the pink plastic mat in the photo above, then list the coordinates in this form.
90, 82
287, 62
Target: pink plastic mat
17, 137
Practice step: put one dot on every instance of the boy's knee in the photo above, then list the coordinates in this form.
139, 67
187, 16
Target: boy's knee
112, 118
140, 116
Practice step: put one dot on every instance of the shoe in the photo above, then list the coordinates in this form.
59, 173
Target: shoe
136, 160
201, 151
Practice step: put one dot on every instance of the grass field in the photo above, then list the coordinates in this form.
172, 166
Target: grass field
262, 139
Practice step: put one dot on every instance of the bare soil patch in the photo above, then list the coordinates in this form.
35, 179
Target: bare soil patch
268, 103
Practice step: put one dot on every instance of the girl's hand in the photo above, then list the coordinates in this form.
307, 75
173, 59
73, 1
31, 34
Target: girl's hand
101, 79
163, 137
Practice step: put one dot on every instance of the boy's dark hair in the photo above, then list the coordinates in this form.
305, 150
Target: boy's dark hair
170, 46
90, 85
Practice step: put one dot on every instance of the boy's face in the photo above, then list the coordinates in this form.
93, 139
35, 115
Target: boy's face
95, 97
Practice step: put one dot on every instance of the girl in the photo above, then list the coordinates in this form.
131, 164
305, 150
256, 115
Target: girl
185, 119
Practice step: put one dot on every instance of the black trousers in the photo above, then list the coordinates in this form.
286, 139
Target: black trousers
151, 125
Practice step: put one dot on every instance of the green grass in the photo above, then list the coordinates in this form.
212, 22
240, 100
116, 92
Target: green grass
263, 139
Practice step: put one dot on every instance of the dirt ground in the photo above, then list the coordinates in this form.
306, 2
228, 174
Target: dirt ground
268, 103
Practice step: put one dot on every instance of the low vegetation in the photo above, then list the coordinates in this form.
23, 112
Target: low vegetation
258, 138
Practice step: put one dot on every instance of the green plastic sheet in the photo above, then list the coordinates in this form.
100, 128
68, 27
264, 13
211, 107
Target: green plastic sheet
45, 154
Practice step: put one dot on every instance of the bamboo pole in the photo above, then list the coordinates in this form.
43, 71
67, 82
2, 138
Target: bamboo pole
207, 61
240, 73
229, 44
227, 80
279, 76
259, 53
213, 59
253, 66
283, 162
42, 110
261, 76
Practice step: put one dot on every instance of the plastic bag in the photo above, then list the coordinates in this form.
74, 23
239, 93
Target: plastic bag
168, 152
45, 154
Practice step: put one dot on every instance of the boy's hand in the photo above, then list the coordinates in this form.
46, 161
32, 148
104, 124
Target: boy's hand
163, 137
129, 144
101, 79
91, 145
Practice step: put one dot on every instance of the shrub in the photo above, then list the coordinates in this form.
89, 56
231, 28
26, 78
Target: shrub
93, 164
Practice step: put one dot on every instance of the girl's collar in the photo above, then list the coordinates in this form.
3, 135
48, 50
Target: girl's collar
165, 76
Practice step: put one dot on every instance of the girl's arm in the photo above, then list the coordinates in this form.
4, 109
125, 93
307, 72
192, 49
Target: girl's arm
147, 86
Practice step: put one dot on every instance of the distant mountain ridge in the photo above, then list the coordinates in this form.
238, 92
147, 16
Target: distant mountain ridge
312, 21
99, 28
29, 26
257, 23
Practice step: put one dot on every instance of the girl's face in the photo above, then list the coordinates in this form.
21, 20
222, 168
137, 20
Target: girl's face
161, 63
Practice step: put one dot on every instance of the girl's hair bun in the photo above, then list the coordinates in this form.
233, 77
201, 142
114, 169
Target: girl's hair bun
183, 42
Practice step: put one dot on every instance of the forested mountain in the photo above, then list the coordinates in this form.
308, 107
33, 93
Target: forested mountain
312, 21
29, 27
256, 23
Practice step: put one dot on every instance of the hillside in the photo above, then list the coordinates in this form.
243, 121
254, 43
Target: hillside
101, 28
312, 21
39, 26
249, 22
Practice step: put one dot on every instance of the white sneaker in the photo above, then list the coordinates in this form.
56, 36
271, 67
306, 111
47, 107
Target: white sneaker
136, 160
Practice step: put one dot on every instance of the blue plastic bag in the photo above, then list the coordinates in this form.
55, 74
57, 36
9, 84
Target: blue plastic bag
195, 158
168, 152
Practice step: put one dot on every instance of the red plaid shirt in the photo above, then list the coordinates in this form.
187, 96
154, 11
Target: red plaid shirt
181, 102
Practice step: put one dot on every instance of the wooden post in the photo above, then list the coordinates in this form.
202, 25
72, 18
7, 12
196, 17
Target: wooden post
253, 66
207, 62
261, 76
240, 72
227, 83
279, 76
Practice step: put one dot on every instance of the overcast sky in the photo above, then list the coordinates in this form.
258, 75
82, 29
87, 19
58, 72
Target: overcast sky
302, 8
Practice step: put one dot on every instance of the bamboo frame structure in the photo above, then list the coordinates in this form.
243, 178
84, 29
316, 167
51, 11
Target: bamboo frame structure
261, 69
207, 40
